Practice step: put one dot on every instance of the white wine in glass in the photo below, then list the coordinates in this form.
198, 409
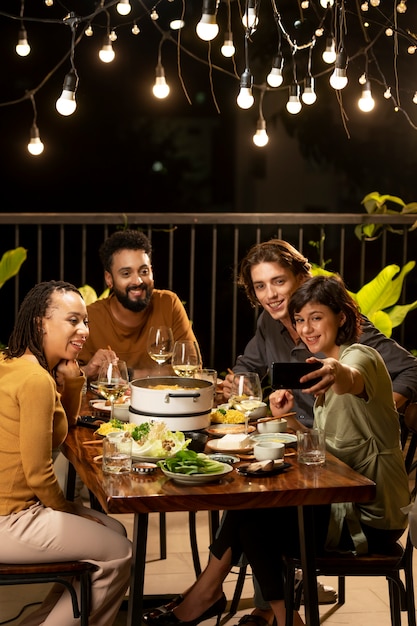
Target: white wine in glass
186, 358
246, 394
113, 381
160, 344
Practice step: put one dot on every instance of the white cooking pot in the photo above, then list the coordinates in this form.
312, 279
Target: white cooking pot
184, 403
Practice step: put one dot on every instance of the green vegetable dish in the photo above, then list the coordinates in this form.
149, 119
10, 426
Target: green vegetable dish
190, 462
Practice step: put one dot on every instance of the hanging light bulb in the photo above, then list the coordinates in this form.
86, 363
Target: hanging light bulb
365, 6
106, 53
415, 98
260, 138
375, 3
387, 93
305, 4
123, 7
309, 96
326, 3
249, 18
207, 28
113, 36
49, 3
161, 88
294, 105
402, 6
245, 97
228, 49
154, 15
274, 78
366, 102
66, 104
22, 46
88, 31
338, 80
35, 145
135, 29
329, 55
176, 24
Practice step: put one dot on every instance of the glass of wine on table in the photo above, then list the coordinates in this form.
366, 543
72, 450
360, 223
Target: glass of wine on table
186, 358
246, 394
113, 381
160, 344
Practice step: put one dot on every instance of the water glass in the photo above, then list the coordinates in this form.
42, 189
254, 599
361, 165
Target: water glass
311, 447
117, 453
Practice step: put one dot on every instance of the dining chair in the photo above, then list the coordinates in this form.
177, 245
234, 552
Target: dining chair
391, 566
61, 573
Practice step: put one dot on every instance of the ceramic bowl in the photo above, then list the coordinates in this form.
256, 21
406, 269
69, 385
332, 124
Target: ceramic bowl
268, 450
121, 412
254, 415
272, 426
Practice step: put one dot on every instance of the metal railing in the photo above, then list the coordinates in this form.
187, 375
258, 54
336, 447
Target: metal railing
197, 255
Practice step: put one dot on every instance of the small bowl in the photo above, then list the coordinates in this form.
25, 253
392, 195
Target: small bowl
121, 411
260, 411
198, 440
144, 468
272, 426
268, 450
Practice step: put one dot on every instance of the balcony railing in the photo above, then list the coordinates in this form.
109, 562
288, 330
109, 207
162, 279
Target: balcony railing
198, 255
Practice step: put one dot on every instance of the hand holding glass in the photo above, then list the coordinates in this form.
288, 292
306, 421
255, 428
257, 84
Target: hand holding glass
113, 381
186, 358
246, 394
160, 344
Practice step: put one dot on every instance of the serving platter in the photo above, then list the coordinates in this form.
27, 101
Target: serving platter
218, 430
216, 446
197, 479
100, 405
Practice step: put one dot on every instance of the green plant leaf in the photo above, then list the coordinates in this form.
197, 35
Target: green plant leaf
384, 290
10, 263
382, 321
397, 313
88, 293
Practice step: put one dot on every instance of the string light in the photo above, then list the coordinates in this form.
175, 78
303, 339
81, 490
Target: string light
35, 145
415, 97
135, 29
106, 53
123, 7
366, 102
275, 78
338, 80
160, 89
249, 18
66, 104
245, 97
260, 138
326, 3
207, 28
329, 54
309, 96
228, 49
22, 46
402, 6
293, 105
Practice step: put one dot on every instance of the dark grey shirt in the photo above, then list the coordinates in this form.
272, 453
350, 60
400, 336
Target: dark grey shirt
272, 342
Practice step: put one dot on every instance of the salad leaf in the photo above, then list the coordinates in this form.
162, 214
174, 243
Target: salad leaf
190, 462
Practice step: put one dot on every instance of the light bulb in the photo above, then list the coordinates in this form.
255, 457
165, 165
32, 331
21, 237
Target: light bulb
160, 88
22, 47
154, 15
415, 98
35, 145
207, 28
326, 3
362, 79
375, 3
88, 31
411, 49
274, 78
365, 6
402, 6
245, 97
309, 96
366, 102
260, 138
123, 7
338, 80
389, 32
135, 29
294, 105
49, 3
387, 93
106, 53
329, 55
228, 49
305, 4
66, 104
176, 24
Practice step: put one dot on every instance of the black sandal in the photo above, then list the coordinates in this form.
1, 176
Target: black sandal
160, 610
253, 620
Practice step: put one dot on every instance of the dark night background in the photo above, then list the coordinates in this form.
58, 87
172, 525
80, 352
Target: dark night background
125, 151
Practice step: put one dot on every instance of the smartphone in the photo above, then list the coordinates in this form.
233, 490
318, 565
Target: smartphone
287, 375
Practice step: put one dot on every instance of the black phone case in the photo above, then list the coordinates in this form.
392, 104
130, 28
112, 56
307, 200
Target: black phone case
287, 375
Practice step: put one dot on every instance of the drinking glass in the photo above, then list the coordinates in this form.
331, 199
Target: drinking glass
160, 344
186, 358
246, 394
113, 381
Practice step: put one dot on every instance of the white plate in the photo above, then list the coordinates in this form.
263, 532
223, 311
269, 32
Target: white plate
285, 438
100, 405
216, 446
197, 479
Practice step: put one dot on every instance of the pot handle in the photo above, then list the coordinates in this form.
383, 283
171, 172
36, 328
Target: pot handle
194, 394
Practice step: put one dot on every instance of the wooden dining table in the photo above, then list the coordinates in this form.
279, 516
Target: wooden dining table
140, 495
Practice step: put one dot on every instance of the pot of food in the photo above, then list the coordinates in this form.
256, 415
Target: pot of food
182, 403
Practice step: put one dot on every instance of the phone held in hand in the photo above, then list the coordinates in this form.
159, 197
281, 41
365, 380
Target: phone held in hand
287, 375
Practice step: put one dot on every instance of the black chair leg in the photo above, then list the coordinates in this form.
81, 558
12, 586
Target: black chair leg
234, 605
162, 536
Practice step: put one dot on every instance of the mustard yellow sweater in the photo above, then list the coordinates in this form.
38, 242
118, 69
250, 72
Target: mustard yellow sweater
32, 423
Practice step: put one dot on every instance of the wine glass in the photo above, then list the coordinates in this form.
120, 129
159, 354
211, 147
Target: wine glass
160, 344
186, 358
246, 394
113, 381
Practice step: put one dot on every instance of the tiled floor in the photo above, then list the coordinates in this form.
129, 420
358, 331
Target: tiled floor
367, 598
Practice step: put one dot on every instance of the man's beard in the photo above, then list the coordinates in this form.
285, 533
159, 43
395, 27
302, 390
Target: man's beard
134, 305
